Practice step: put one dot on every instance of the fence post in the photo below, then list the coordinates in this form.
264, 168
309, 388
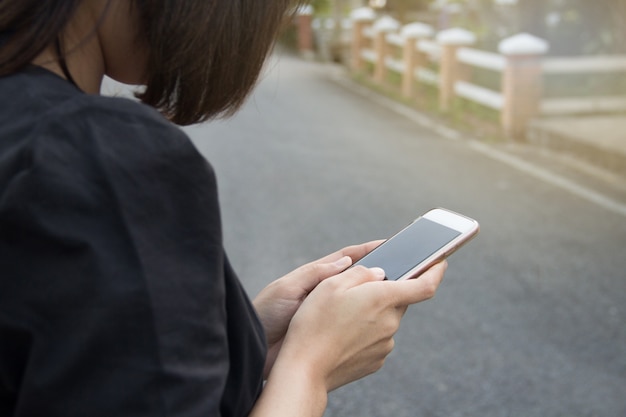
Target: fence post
382, 27
305, 30
361, 18
412, 33
449, 72
521, 82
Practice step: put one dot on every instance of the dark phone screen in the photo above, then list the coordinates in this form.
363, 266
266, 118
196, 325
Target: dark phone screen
404, 251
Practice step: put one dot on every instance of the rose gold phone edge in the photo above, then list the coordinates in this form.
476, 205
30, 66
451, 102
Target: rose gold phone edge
446, 250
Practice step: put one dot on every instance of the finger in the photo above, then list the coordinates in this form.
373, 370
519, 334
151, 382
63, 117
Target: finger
355, 252
419, 289
359, 275
310, 275
333, 257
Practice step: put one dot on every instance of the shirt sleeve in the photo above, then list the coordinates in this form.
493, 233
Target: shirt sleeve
112, 301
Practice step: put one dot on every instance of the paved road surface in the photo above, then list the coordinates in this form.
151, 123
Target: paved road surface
531, 318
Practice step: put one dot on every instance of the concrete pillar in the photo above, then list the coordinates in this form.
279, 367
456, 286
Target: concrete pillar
305, 31
382, 27
449, 72
361, 18
521, 81
412, 34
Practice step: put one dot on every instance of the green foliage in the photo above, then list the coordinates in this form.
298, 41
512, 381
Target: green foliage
321, 7
402, 8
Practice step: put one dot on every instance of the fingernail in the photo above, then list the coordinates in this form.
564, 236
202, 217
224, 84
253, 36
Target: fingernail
378, 272
344, 262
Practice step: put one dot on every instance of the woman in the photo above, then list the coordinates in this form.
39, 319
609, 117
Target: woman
116, 296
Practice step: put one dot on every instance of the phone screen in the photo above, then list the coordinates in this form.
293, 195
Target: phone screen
403, 252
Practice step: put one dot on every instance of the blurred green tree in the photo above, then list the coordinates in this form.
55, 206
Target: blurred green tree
322, 7
402, 8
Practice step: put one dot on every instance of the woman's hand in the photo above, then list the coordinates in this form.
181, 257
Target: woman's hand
341, 332
344, 330
279, 301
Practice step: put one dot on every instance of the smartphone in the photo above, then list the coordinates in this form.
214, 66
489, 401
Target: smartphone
432, 237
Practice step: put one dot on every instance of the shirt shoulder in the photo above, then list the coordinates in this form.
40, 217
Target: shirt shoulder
111, 243
88, 138
113, 122
49, 116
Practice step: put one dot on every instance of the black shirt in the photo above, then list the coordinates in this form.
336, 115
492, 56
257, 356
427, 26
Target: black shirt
116, 297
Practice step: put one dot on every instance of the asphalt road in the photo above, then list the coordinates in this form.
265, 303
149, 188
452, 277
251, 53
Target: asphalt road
531, 317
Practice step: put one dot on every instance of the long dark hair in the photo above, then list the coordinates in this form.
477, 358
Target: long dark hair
27, 27
204, 55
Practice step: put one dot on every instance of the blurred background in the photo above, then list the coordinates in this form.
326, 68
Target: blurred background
571, 26
551, 72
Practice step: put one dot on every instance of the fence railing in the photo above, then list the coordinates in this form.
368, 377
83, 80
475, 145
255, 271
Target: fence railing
446, 61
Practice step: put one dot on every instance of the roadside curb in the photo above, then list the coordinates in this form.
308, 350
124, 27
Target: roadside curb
338, 75
602, 157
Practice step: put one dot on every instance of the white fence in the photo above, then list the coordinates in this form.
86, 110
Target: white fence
520, 62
